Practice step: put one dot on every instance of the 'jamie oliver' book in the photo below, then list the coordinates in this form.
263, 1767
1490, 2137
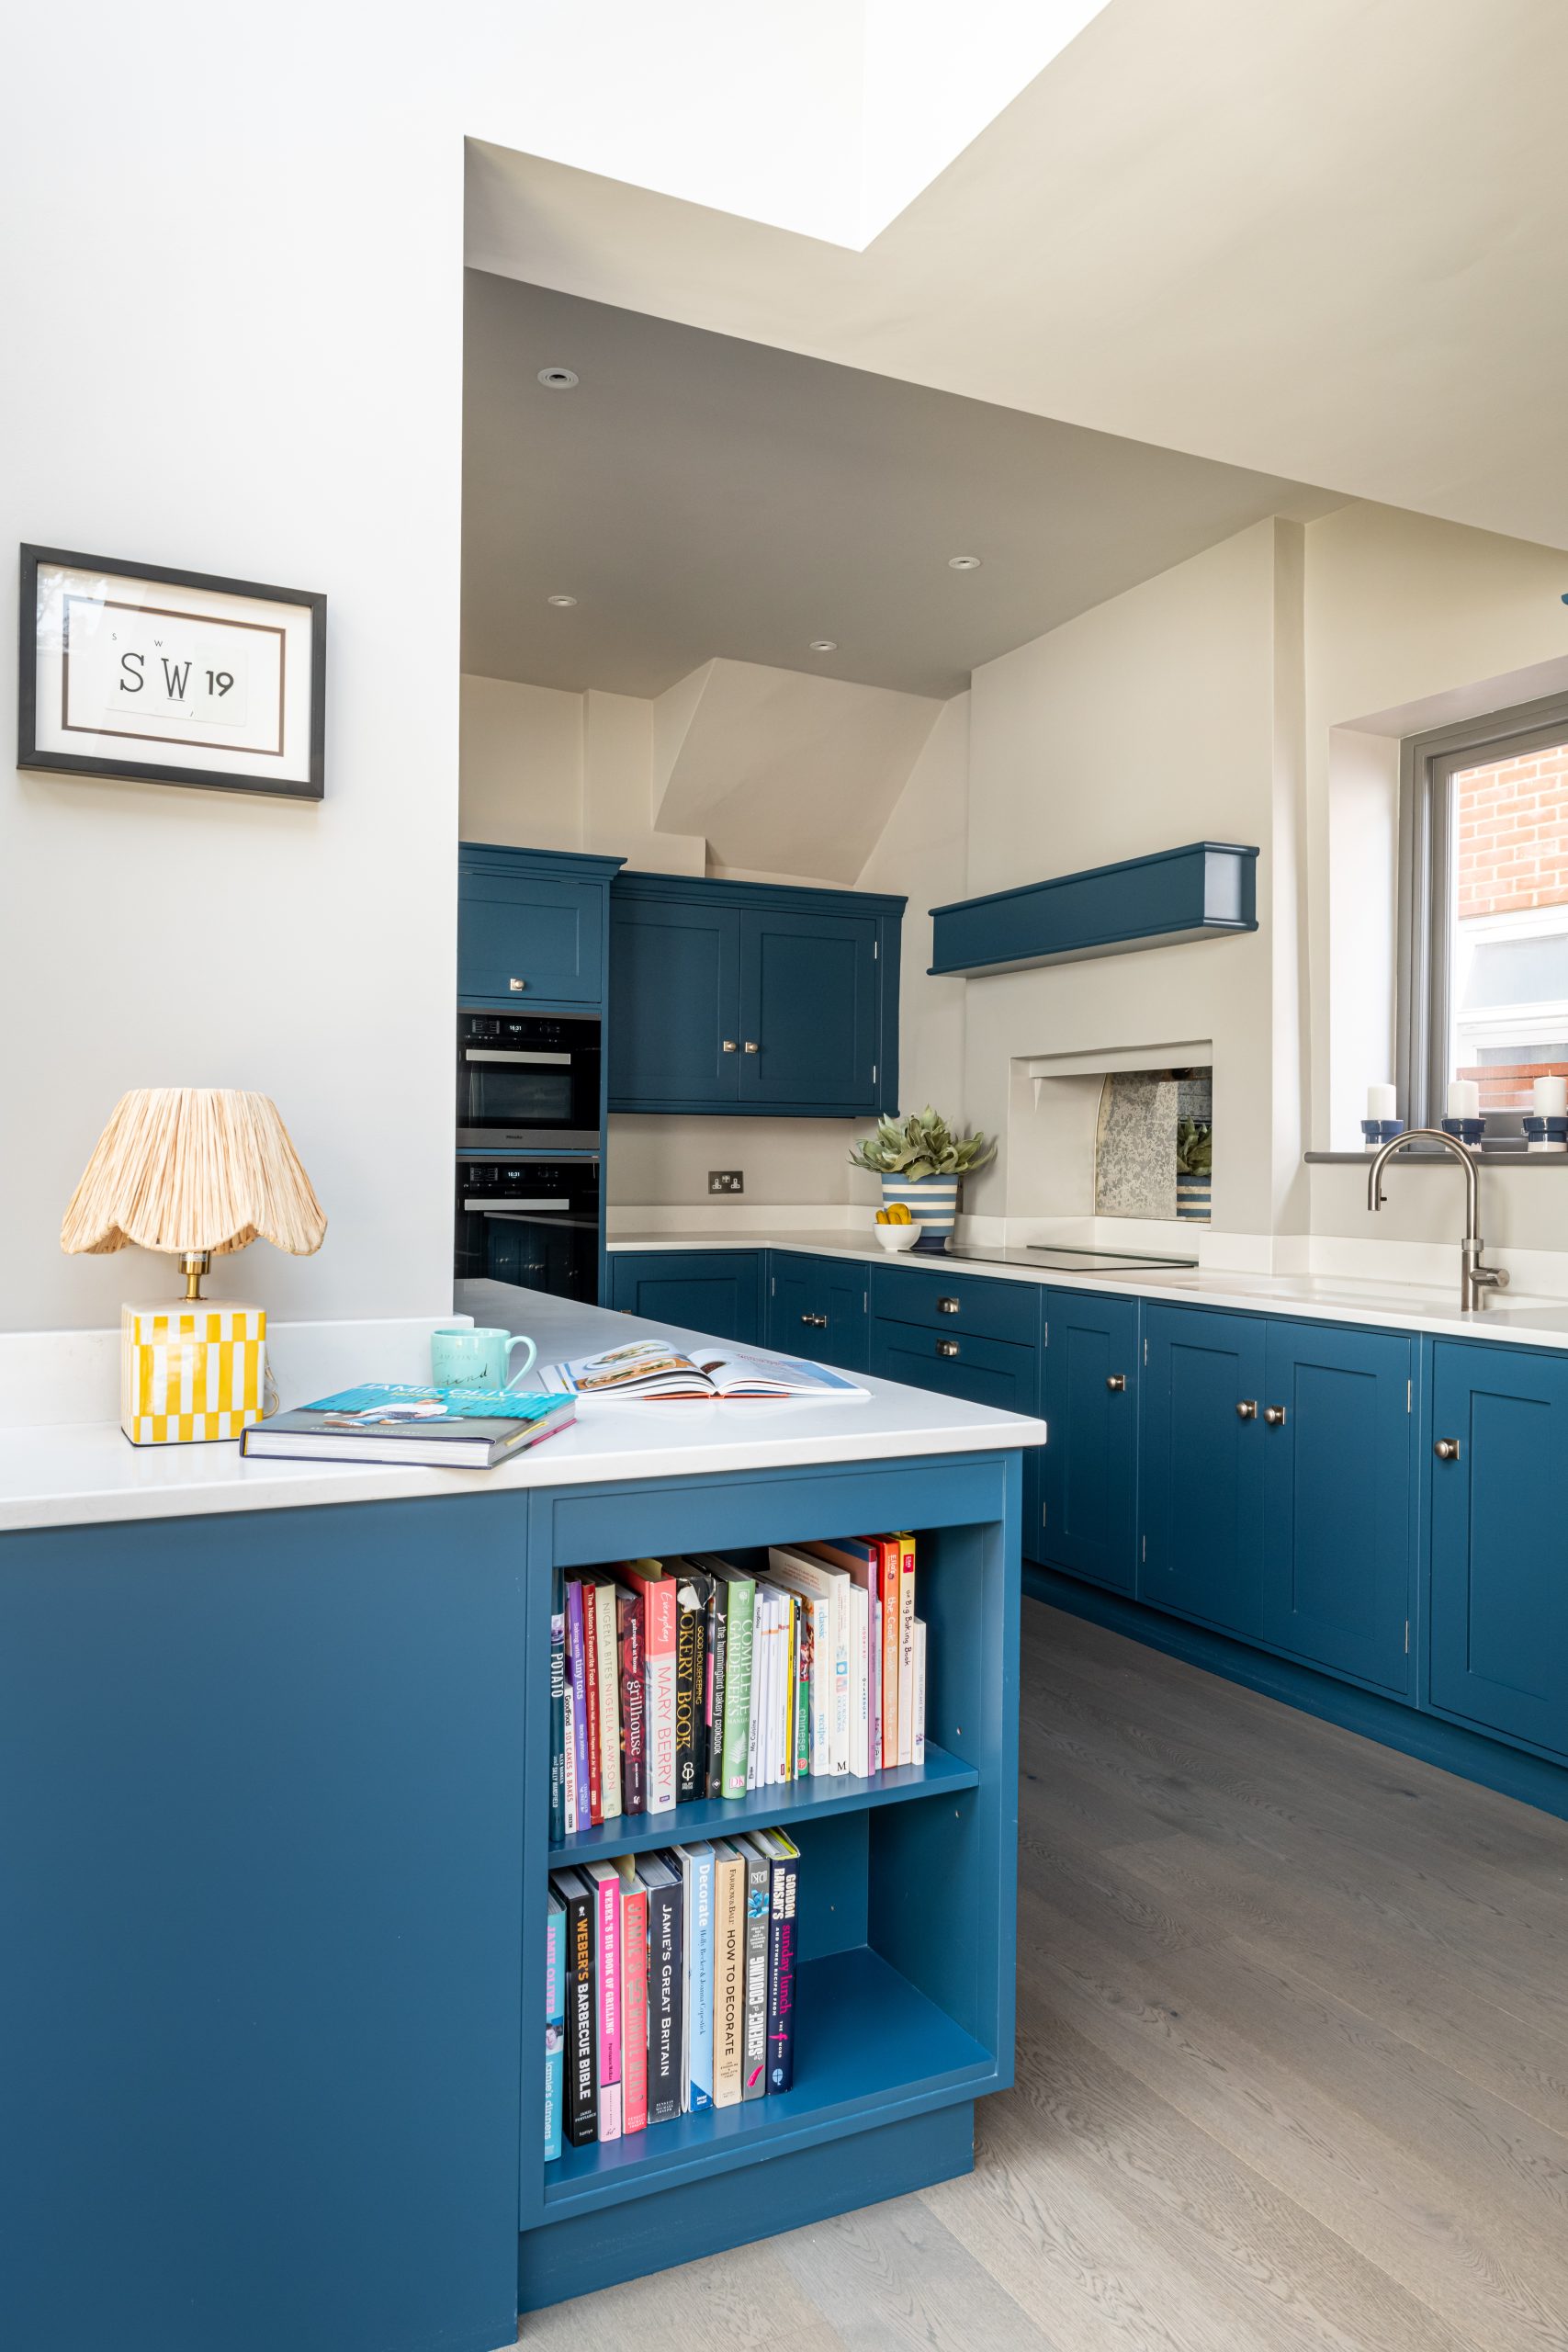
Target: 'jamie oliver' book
666, 1993
580, 2114
433, 1429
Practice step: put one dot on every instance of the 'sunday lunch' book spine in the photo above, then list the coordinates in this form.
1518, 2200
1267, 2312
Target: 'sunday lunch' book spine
634, 1998
578, 1668
554, 2021
918, 1705
695, 1864
578, 2116
688, 1689
717, 1650
665, 1902
634, 1714
607, 1649
754, 2036
890, 1593
784, 1860
907, 1651
605, 1880
557, 1725
742, 1595
658, 1591
591, 1684
569, 1750
729, 1970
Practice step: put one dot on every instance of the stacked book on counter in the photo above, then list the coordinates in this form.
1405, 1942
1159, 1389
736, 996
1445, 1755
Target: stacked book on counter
678, 1679
670, 1985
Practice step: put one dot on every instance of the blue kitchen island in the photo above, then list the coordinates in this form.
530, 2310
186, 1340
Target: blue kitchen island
274, 1850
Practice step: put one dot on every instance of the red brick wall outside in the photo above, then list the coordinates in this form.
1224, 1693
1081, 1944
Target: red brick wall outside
1511, 823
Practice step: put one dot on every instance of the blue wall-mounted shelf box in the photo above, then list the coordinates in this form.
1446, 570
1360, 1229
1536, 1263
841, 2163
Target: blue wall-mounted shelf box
1202, 892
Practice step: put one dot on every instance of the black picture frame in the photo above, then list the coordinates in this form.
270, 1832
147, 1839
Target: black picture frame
28, 754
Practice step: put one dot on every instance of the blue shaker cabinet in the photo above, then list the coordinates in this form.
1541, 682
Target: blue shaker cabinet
751, 997
532, 927
1088, 1514
1340, 1500
1204, 1465
1499, 1633
816, 1307
716, 1291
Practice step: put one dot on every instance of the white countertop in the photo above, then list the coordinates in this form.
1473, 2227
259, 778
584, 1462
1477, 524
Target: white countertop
85, 1473
1399, 1306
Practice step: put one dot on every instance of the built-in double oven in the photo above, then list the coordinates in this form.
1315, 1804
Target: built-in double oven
529, 1105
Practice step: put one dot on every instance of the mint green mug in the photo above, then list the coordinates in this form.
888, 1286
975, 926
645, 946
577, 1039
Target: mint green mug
469, 1355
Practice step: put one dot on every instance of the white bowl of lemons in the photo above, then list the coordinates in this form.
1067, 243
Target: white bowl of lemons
895, 1234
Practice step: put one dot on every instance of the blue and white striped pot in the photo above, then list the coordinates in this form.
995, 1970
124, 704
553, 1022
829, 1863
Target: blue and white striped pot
932, 1201
1192, 1196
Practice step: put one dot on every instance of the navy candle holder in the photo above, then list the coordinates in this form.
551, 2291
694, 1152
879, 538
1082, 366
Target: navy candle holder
1382, 1131
1469, 1131
1545, 1134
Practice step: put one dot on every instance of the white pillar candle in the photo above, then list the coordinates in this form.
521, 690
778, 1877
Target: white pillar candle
1464, 1098
1382, 1102
1550, 1097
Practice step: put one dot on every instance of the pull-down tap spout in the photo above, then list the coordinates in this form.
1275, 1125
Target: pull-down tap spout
1474, 1279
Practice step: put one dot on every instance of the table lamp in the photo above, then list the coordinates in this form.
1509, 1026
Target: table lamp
199, 1171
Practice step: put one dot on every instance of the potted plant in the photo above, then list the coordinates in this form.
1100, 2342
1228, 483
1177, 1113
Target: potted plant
1194, 1168
920, 1162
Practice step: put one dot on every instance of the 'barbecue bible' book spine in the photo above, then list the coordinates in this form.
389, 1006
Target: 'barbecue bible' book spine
729, 1970
783, 1859
554, 2021
634, 1998
634, 1711
754, 2039
666, 1902
605, 1880
577, 1667
578, 2114
557, 1726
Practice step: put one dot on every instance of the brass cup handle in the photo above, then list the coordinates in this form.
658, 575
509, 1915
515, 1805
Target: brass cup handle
1275, 1416
1447, 1448
1247, 1411
1116, 1382
947, 1347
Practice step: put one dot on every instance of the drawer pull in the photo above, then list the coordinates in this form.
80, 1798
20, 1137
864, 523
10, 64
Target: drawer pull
1447, 1448
518, 986
1247, 1409
1116, 1382
750, 1049
947, 1306
728, 1045
947, 1347
816, 1322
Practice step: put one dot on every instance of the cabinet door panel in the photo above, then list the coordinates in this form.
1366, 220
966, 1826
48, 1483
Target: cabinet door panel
1499, 1593
809, 1005
547, 933
791, 1304
842, 1296
1202, 1467
674, 999
717, 1291
1089, 1468
1339, 1497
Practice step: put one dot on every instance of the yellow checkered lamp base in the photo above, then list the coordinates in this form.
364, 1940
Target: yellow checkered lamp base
190, 1372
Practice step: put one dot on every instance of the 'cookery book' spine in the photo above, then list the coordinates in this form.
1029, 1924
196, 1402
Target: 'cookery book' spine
688, 1692
634, 2006
664, 2001
557, 1726
578, 2116
578, 1664
634, 1717
754, 2037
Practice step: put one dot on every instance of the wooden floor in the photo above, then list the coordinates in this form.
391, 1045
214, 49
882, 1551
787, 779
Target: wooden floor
1293, 2064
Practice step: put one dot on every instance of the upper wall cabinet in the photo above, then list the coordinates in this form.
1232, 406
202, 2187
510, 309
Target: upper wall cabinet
1202, 891
751, 997
532, 926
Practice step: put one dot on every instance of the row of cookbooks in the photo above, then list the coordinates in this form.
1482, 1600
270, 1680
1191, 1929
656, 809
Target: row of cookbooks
678, 1679
670, 1985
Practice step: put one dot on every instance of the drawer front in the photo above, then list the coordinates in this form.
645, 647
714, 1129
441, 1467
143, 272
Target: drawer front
954, 1304
985, 1372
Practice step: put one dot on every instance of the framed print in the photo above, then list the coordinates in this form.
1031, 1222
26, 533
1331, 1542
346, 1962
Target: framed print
133, 669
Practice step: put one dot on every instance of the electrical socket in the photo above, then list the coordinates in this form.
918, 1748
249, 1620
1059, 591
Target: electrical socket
725, 1180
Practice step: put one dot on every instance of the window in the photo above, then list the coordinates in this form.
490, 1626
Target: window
1484, 912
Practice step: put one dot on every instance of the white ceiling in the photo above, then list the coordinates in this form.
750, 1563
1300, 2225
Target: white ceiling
1325, 242
707, 497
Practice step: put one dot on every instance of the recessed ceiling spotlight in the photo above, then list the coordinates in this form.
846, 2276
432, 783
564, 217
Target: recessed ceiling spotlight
824, 645
964, 564
557, 380
561, 601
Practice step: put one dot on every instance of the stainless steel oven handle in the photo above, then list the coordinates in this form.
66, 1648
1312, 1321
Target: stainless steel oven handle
496, 1204
535, 1061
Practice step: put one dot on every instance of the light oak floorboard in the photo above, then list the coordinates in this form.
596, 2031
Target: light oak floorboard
1293, 2064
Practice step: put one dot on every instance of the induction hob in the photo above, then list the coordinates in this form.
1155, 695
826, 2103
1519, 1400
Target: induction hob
1057, 1258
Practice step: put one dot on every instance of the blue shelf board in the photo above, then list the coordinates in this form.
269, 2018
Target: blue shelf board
868, 2047
1204, 890
640, 1833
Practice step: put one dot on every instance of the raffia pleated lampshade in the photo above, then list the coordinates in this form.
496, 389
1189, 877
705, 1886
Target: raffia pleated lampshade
190, 1169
